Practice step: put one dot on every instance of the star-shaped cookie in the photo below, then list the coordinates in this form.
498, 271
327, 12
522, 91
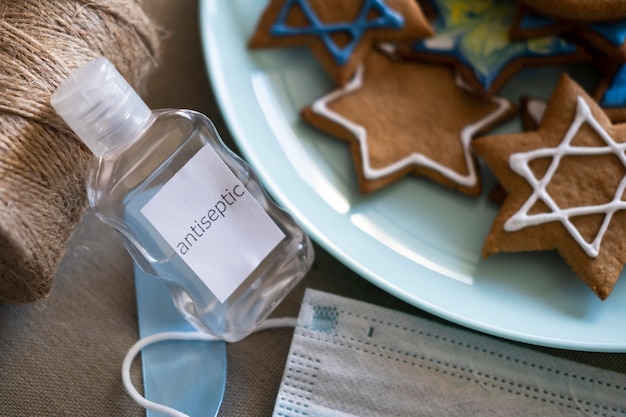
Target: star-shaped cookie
403, 117
340, 33
530, 24
608, 38
474, 37
565, 186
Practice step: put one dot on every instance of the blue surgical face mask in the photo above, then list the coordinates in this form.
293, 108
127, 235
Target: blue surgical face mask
349, 358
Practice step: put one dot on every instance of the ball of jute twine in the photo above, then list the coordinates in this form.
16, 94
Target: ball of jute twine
43, 165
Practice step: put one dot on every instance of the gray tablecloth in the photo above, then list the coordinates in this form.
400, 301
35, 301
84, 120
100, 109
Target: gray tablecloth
62, 356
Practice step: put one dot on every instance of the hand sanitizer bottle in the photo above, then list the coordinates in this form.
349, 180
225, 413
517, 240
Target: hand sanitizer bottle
188, 210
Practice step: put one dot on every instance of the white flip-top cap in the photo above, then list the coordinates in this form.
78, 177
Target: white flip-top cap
100, 106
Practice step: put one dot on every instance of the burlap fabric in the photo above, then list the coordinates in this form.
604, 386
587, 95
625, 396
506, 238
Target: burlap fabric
42, 164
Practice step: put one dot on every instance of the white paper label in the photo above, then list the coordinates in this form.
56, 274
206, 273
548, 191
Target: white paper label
213, 223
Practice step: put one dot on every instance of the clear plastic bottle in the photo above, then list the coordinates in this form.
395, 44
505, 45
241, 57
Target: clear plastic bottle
175, 193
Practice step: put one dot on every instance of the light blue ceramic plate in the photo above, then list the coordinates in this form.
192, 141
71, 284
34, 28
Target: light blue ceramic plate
416, 240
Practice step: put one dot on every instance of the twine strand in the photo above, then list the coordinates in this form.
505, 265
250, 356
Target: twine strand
43, 166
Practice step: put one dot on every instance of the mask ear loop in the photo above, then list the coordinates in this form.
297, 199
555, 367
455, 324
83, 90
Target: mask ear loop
184, 336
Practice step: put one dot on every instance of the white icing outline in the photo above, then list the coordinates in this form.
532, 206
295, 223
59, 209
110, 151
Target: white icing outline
320, 107
519, 163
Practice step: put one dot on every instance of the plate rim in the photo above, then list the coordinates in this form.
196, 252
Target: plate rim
221, 95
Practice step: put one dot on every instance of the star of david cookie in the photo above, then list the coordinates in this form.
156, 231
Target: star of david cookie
474, 37
340, 33
530, 112
565, 185
608, 38
403, 117
529, 24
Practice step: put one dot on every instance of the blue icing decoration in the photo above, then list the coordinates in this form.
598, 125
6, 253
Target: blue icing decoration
476, 35
386, 18
615, 95
614, 32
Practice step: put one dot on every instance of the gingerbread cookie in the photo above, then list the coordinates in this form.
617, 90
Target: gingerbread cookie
565, 186
474, 37
402, 118
529, 24
608, 38
340, 33
531, 112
